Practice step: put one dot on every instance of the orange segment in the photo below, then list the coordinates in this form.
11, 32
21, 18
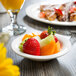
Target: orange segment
61, 44
48, 49
57, 47
28, 36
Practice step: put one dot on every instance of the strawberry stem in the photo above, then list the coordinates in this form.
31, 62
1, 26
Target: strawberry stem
51, 30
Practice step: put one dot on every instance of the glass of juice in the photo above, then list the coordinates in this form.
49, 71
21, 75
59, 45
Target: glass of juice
13, 7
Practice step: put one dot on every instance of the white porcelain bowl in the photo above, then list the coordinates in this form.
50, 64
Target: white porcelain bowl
65, 49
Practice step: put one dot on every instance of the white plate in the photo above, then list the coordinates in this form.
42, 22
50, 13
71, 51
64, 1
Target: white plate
33, 12
64, 50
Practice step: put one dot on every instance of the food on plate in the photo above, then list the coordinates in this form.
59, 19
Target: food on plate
28, 36
61, 12
42, 15
72, 12
46, 40
48, 11
31, 46
45, 43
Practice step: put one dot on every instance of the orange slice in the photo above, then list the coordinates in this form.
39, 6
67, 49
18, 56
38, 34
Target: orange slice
57, 47
48, 49
28, 36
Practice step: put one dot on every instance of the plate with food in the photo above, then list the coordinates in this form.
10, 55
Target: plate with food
52, 13
42, 46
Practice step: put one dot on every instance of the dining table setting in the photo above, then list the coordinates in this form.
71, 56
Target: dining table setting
37, 38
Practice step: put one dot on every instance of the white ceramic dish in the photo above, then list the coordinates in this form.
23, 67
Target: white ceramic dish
64, 50
33, 12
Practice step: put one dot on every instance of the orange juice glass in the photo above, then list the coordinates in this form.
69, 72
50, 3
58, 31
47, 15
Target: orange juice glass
13, 7
12, 4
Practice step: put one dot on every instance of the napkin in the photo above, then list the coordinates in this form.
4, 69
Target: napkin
4, 37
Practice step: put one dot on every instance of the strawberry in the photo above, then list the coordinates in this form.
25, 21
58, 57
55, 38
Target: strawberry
42, 15
44, 34
58, 11
56, 39
31, 46
74, 2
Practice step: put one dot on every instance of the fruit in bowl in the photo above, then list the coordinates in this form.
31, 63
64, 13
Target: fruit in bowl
42, 44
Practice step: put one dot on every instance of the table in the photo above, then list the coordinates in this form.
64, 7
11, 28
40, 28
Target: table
63, 66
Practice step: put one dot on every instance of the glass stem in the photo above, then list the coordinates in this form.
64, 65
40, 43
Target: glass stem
13, 17
15, 27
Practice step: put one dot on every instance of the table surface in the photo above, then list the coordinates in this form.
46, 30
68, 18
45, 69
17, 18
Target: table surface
63, 66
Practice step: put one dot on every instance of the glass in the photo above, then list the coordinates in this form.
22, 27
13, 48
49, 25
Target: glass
13, 7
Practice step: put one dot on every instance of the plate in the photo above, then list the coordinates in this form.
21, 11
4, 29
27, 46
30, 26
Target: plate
33, 12
65, 49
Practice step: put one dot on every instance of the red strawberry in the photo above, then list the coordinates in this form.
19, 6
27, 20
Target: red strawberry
74, 2
44, 34
58, 11
42, 15
56, 39
31, 46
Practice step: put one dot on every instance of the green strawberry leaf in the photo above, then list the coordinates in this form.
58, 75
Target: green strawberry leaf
51, 30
